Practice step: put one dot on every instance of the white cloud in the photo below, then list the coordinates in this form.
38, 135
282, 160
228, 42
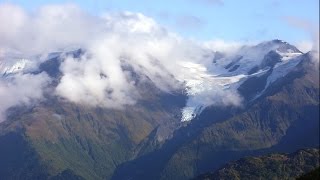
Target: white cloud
48, 29
99, 79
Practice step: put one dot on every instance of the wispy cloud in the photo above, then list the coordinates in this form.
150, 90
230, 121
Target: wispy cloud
189, 22
183, 21
310, 28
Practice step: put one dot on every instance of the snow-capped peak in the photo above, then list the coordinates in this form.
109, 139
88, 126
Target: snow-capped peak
228, 72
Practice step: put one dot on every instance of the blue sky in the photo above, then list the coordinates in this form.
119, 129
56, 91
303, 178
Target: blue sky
245, 20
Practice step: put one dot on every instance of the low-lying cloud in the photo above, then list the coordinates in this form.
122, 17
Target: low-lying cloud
129, 39
22, 89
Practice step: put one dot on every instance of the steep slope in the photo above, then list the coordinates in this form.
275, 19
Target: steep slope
273, 166
284, 118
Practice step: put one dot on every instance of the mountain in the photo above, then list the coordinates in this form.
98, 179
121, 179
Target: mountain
256, 66
284, 118
273, 166
259, 100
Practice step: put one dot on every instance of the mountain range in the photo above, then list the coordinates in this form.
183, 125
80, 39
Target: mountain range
259, 100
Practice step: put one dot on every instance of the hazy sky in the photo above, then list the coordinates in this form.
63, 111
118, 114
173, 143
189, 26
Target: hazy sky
245, 20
